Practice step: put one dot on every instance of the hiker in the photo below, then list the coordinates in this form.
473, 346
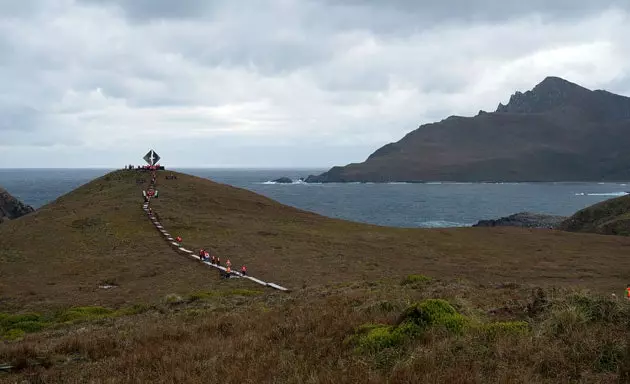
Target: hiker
243, 271
156, 193
178, 239
228, 264
201, 254
206, 255
628, 292
228, 271
213, 260
218, 260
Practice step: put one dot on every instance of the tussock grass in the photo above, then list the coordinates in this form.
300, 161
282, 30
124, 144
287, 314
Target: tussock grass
326, 335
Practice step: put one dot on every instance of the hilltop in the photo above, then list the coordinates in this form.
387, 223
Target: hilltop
610, 217
99, 235
368, 304
11, 208
558, 131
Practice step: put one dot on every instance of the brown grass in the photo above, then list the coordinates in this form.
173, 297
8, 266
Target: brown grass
304, 338
98, 233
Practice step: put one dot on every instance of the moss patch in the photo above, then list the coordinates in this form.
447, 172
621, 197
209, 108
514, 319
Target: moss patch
14, 326
415, 280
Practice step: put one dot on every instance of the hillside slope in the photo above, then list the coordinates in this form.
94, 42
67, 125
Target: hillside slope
558, 131
98, 234
11, 208
610, 217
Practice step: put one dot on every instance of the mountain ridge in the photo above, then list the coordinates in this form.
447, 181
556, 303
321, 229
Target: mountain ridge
558, 131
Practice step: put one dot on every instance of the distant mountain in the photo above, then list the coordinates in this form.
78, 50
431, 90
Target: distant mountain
11, 208
558, 131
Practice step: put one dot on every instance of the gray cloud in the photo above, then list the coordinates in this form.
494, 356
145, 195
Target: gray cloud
248, 77
142, 10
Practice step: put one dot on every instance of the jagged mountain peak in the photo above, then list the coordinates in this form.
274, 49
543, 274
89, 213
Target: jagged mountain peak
549, 94
555, 93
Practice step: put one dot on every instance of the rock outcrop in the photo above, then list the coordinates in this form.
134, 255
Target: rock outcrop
558, 131
524, 219
283, 180
11, 208
610, 217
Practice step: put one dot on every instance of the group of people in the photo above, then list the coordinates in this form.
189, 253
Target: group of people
204, 255
216, 260
145, 167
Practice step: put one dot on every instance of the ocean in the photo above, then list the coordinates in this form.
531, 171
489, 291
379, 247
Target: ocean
393, 204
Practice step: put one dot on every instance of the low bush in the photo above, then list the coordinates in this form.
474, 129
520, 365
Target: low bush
77, 314
415, 280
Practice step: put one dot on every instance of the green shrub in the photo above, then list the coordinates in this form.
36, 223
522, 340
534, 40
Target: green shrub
13, 334
378, 338
436, 313
29, 326
173, 299
413, 322
7, 321
415, 279
133, 310
84, 313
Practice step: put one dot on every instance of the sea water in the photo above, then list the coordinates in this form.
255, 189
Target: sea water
394, 204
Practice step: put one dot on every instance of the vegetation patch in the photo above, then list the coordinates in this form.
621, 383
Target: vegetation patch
78, 314
415, 280
504, 328
15, 326
412, 323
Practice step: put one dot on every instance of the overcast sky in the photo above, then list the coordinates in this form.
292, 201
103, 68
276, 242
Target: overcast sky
279, 83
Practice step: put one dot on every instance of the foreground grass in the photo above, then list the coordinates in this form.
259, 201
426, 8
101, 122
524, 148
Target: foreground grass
370, 332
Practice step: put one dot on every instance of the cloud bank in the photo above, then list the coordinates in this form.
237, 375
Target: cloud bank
278, 83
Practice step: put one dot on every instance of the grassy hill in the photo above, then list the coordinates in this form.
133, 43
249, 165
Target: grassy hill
610, 217
362, 308
98, 234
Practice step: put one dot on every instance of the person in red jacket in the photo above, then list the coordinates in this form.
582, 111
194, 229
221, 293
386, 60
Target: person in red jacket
244, 270
178, 239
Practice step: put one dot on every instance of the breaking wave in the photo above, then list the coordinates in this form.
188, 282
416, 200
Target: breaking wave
276, 183
616, 194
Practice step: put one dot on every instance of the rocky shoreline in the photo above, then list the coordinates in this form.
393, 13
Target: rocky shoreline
12, 208
525, 220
